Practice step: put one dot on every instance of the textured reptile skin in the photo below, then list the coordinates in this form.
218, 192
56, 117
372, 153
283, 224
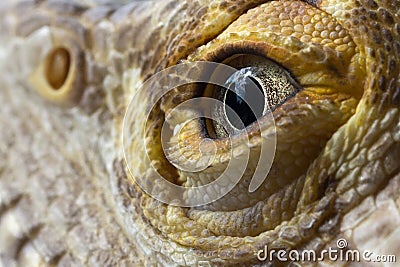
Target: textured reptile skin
66, 197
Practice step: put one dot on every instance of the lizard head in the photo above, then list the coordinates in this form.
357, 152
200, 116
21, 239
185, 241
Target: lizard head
305, 91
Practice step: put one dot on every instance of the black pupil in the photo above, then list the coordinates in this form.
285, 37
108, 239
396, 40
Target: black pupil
248, 109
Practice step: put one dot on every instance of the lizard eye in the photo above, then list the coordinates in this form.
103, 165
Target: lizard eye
243, 99
257, 87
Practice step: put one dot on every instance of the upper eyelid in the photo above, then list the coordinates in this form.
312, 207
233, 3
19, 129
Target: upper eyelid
256, 26
337, 62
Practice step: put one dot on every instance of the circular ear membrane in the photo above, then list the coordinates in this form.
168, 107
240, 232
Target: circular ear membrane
58, 77
57, 67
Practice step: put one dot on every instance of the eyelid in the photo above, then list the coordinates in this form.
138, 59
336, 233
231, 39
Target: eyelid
335, 62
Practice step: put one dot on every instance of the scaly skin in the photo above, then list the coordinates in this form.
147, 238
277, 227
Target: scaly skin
66, 197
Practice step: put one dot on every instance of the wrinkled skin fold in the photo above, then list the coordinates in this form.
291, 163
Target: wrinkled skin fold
69, 70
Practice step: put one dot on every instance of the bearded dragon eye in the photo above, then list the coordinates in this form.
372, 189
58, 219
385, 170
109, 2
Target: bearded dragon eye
258, 87
243, 99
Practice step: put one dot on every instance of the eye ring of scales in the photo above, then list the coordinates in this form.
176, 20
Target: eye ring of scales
66, 198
